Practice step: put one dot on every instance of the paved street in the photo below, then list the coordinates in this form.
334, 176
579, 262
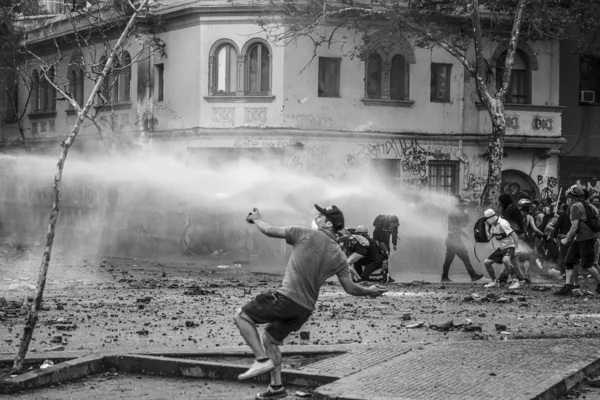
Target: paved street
127, 305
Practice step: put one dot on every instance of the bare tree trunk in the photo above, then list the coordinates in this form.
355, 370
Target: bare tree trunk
492, 189
22, 133
32, 316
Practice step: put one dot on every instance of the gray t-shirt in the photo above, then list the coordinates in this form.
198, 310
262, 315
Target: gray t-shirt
578, 213
316, 256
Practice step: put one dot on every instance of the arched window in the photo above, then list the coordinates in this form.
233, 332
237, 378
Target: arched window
519, 89
374, 76
225, 79
35, 91
79, 85
387, 76
51, 90
75, 75
258, 71
125, 78
76, 85
113, 81
399, 78
43, 94
73, 84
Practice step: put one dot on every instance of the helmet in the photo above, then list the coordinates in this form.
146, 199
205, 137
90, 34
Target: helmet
361, 229
524, 203
575, 191
490, 216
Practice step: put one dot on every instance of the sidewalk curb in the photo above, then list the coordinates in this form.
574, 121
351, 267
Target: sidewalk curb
65, 371
241, 351
156, 365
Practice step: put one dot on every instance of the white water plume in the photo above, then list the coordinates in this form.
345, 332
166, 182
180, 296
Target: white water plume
177, 184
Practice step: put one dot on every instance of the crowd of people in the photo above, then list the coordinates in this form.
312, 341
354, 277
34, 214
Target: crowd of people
527, 233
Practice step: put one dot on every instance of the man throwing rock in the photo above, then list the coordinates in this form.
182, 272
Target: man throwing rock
316, 256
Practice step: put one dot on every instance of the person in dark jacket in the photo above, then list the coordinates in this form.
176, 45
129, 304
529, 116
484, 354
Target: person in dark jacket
386, 229
510, 212
374, 260
457, 219
561, 228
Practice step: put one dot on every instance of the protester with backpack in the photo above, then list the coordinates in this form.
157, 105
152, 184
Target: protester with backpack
585, 223
375, 258
457, 218
508, 242
386, 228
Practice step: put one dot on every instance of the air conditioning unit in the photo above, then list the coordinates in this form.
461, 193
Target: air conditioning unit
587, 96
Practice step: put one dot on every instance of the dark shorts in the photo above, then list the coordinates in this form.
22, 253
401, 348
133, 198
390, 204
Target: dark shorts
498, 254
282, 314
584, 251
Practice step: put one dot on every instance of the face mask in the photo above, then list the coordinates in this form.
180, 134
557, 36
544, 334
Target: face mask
313, 224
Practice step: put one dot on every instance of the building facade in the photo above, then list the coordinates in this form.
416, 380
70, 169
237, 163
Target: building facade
580, 94
225, 92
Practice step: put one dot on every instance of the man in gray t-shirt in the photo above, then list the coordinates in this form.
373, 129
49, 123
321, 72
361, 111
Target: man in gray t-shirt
316, 256
582, 248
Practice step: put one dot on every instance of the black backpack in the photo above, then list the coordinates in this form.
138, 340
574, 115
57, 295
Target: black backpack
593, 220
480, 231
379, 221
480, 234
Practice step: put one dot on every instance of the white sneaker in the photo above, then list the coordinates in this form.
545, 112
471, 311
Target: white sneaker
515, 285
492, 284
257, 368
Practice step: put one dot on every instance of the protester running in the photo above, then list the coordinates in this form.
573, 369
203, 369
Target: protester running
508, 243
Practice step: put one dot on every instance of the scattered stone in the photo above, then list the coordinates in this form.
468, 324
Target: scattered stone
70, 327
472, 328
56, 339
501, 327
406, 317
144, 300
540, 288
143, 332
190, 324
54, 348
444, 326
197, 291
414, 326
305, 335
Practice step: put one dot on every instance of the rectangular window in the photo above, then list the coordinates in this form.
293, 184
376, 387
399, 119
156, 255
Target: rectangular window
589, 79
160, 81
388, 170
440, 82
443, 176
329, 77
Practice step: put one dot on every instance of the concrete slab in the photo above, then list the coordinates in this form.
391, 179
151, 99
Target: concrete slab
523, 369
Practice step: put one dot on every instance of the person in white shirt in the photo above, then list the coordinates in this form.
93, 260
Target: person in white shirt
508, 243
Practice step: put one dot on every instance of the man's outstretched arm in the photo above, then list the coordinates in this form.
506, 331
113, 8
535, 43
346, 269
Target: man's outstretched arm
272, 231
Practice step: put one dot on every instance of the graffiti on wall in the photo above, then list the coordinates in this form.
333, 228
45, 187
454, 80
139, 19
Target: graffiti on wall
547, 186
591, 184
